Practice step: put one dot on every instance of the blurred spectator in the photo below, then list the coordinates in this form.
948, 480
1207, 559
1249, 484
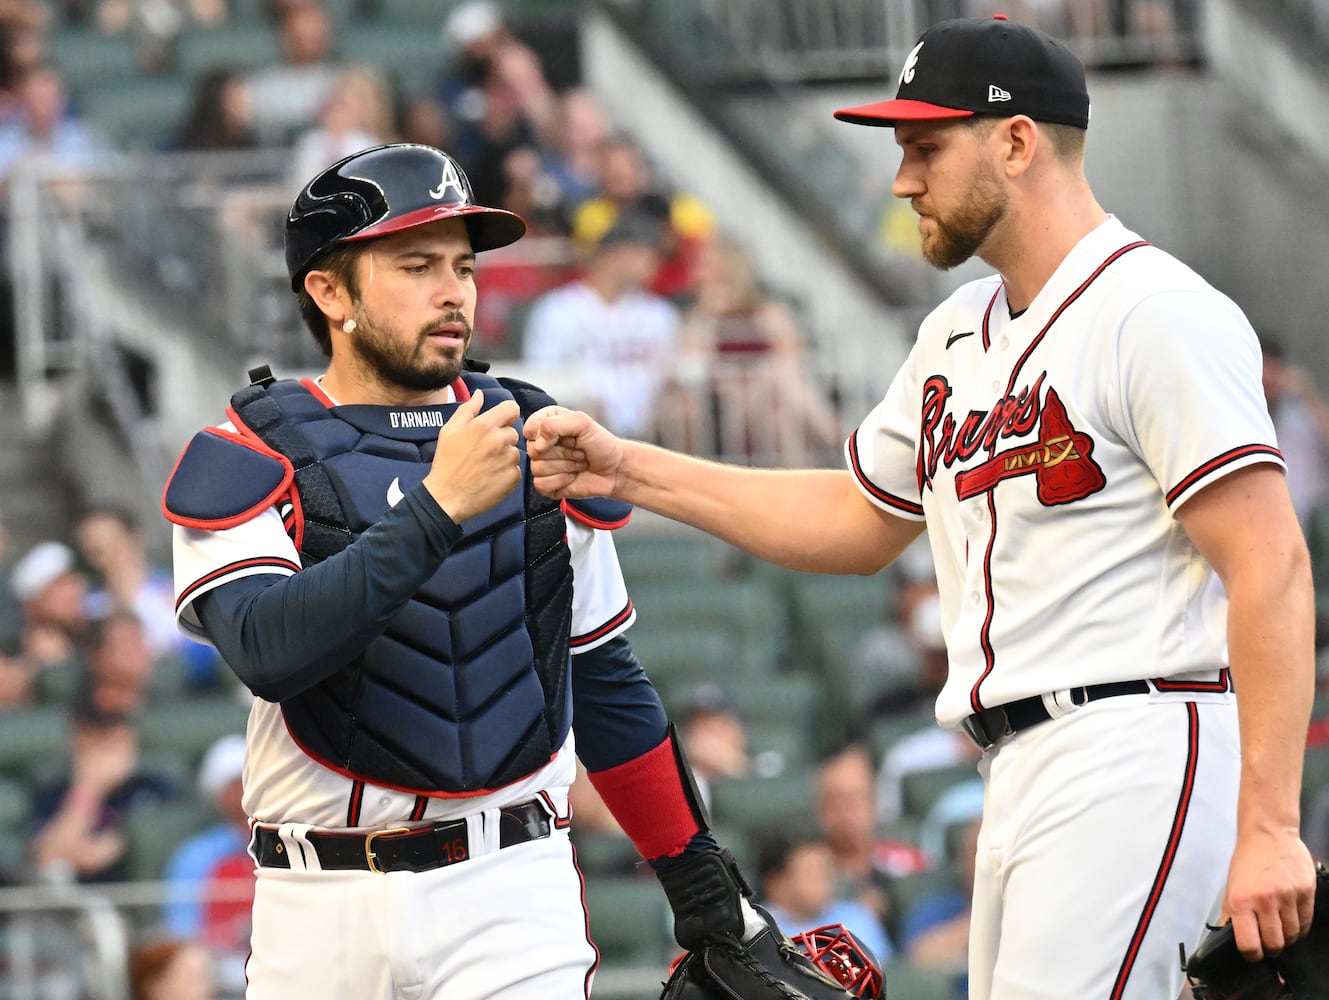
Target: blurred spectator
287, 95
170, 970
496, 94
425, 120
618, 338
156, 25
746, 365
928, 748
865, 861
356, 114
878, 652
119, 664
1301, 423
23, 32
111, 545
16, 680
77, 820
714, 737
627, 184
210, 876
583, 126
52, 596
530, 190
220, 115
796, 872
43, 125
936, 929
11, 615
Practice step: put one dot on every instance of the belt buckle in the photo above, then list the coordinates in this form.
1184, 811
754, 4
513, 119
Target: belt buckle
369, 846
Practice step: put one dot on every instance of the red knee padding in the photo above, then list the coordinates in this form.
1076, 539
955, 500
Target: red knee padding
647, 797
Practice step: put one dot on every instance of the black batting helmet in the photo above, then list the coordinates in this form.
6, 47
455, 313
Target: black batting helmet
384, 190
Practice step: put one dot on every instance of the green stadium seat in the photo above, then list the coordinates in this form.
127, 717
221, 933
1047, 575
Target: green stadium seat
630, 919
678, 658
138, 113
240, 45
29, 737
685, 556
747, 607
1314, 775
153, 832
919, 790
412, 57
914, 983
185, 727
756, 805
89, 57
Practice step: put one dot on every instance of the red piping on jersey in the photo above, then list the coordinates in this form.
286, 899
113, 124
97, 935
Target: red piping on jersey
292, 492
1169, 853
560, 822
354, 802
890, 499
592, 522
271, 562
985, 634
578, 641
1228, 457
987, 313
586, 926
432, 794
1198, 687
217, 524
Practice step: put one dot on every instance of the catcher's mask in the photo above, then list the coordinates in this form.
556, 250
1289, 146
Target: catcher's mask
384, 190
1217, 970
847, 960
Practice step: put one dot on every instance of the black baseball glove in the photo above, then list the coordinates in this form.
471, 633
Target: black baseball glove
706, 894
1217, 970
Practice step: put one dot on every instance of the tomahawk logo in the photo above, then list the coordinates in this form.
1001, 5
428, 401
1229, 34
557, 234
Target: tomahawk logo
451, 181
996, 94
910, 64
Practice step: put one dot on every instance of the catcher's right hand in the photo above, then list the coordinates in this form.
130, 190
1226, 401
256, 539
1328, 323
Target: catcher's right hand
770, 966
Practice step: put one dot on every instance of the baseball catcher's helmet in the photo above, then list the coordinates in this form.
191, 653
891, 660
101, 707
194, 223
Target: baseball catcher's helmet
384, 190
844, 958
1217, 970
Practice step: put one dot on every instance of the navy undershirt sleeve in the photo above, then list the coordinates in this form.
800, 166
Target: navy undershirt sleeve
284, 634
617, 714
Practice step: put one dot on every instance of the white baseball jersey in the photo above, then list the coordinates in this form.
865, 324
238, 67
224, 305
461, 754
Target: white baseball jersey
284, 785
1048, 454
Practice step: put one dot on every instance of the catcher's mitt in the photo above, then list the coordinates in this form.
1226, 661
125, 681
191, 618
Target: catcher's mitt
827, 964
1217, 970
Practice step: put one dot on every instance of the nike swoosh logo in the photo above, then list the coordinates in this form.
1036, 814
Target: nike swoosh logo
956, 336
394, 492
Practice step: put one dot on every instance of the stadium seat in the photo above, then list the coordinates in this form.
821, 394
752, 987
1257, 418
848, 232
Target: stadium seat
756, 805
746, 607
240, 45
919, 790
153, 832
914, 983
89, 58
630, 919
30, 737
138, 113
187, 726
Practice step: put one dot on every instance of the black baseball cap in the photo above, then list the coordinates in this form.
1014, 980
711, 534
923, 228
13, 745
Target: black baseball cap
983, 66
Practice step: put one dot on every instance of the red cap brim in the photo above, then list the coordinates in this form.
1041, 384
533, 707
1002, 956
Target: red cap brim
889, 112
490, 228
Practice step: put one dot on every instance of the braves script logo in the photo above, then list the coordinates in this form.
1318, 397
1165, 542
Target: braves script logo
1060, 459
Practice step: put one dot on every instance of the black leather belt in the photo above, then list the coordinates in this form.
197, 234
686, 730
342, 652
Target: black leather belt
403, 849
988, 726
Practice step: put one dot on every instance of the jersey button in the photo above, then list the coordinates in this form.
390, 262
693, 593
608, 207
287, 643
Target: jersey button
975, 597
1005, 342
996, 386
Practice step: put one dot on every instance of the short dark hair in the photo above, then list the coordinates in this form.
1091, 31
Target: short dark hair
340, 263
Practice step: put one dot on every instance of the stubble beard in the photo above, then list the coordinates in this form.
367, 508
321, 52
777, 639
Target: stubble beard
402, 364
961, 236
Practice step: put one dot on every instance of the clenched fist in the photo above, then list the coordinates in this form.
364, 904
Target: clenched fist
477, 462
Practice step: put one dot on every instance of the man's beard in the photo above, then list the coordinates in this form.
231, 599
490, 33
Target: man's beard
956, 240
401, 364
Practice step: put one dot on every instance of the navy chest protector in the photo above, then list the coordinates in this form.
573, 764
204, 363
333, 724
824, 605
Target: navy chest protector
467, 688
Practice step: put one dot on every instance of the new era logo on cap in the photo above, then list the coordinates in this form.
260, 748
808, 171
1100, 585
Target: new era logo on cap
968, 66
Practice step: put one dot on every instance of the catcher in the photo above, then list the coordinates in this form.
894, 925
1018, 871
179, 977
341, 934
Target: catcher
1217, 970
